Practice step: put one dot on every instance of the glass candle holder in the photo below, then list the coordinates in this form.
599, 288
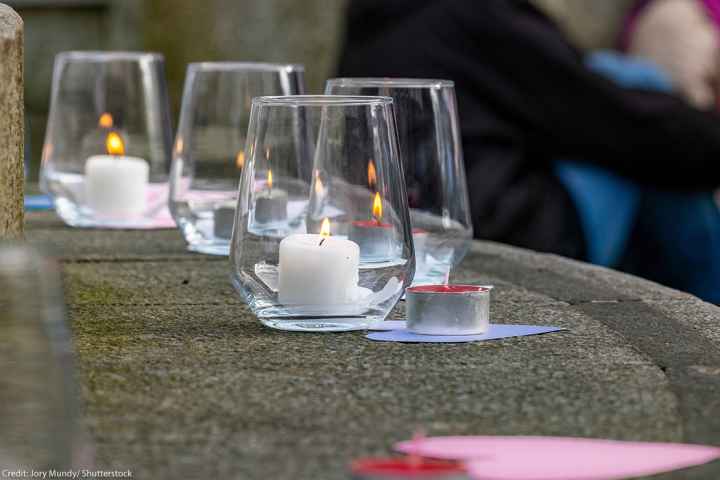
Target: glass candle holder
39, 411
208, 155
317, 245
431, 152
106, 156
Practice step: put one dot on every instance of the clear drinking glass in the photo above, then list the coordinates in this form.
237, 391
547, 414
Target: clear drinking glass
317, 245
106, 156
431, 152
208, 154
39, 414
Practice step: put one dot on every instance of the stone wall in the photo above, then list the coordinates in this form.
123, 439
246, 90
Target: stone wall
307, 32
11, 123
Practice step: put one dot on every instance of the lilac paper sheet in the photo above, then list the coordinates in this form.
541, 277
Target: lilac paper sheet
390, 325
496, 331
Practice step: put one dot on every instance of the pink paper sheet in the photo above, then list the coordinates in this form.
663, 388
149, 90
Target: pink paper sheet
157, 200
560, 458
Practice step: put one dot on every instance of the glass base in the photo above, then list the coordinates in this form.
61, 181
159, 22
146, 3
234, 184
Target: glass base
339, 324
67, 191
431, 274
219, 249
74, 217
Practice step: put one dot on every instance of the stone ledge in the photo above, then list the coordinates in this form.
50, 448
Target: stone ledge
11, 124
11, 23
173, 365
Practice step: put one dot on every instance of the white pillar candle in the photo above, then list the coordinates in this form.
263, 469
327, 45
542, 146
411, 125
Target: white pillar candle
115, 185
317, 270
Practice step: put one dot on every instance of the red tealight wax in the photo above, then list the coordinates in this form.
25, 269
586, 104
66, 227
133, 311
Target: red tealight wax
370, 224
406, 468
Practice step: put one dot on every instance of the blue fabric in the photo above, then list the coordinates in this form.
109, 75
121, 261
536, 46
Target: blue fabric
672, 238
606, 202
607, 205
629, 72
38, 202
676, 242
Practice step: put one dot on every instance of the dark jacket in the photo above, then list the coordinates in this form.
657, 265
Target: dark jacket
525, 99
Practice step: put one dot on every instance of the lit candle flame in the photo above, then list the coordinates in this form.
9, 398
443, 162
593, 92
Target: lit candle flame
372, 174
269, 180
179, 145
114, 144
105, 121
377, 210
325, 228
240, 160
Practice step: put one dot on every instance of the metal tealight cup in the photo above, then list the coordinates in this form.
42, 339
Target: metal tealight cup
448, 309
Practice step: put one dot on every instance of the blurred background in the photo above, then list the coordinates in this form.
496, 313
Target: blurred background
308, 32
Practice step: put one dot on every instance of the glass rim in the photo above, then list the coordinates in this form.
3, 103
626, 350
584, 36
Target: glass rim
390, 82
250, 66
321, 100
109, 55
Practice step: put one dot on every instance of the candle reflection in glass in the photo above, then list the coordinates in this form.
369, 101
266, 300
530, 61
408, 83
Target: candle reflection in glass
271, 203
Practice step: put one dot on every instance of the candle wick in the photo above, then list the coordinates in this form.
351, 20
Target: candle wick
321, 242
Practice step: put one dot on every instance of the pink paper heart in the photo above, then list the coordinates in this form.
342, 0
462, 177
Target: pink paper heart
560, 458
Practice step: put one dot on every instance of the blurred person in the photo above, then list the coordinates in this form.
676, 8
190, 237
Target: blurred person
638, 193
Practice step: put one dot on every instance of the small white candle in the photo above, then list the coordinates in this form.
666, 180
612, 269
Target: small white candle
115, 185
317, 270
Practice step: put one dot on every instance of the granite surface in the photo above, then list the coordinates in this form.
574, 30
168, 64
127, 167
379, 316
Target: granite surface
180, 381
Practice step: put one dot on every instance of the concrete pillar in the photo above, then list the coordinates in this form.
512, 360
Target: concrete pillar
11, 123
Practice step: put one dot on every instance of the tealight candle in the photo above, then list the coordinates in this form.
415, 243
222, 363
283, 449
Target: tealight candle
374, 237
115, 185
271, 204
223, 220
317, 269
448, 309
